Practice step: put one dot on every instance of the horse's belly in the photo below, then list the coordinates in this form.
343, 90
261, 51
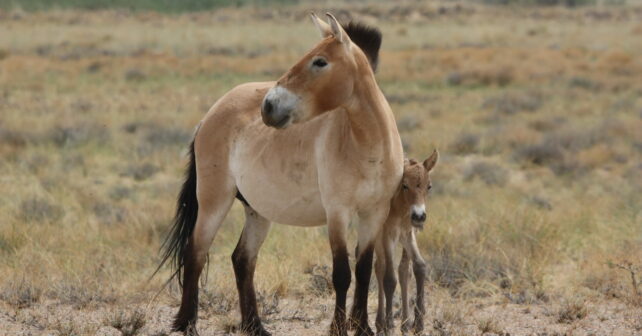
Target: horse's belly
275, 172
284, 203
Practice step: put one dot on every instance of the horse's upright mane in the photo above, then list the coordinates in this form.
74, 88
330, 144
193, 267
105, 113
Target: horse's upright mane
367, 38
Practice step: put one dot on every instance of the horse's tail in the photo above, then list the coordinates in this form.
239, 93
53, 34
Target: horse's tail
175, 245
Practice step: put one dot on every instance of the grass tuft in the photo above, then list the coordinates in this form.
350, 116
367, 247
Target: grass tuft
129, 323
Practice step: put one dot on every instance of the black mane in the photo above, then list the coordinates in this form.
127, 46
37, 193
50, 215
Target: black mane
367, 38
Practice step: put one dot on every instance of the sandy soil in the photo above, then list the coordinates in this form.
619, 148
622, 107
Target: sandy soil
311, 316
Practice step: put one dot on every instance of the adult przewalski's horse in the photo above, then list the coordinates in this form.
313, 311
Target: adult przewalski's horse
323, 149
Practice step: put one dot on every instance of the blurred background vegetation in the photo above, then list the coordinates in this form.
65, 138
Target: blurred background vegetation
536, 110
197, 5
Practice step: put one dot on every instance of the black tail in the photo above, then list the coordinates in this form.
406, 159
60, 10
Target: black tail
175, 245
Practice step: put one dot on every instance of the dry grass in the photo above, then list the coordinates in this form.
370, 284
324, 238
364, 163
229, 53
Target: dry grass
536, 112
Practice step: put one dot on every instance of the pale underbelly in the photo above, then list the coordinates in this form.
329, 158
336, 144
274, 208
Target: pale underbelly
275, 172
283, 203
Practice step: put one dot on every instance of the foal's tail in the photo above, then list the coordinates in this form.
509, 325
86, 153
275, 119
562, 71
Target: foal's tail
175, 245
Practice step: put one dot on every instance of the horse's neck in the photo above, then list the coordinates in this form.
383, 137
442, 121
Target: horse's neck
371, 120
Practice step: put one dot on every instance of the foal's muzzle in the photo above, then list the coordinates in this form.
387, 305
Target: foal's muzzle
278, 107
418, 216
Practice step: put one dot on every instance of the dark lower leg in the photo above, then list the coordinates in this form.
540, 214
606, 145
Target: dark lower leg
381, 300
363, 272
341, 278
389, 285
404, 275
186, 318
419, 268
353, 322
244, 267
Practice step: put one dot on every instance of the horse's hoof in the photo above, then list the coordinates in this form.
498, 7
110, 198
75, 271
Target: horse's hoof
190, 330
353, 323
364, 331
338, 329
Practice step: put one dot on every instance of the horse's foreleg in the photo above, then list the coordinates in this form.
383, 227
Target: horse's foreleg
210, 216
370, 224
244, 260
380, 269
404, 275
341, 277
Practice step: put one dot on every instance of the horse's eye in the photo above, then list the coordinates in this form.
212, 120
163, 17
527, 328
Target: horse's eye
319, 63
429, 187
404, 186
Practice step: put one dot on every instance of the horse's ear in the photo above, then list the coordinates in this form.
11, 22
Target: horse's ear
324, 28
337, 30
431, 161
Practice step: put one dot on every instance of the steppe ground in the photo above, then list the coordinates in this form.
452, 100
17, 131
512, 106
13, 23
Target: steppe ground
535, 220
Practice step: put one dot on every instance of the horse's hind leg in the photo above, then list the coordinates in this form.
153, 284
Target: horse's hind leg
214, 204
244, 260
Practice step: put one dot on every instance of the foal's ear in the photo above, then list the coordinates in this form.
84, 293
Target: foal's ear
324, 28
431, 161
337, 30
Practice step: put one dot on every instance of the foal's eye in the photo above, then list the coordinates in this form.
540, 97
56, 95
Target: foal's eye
404, 186
429, 187
320, 63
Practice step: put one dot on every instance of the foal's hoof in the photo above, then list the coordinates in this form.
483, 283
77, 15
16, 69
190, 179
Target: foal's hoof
405, 326
418, 326
384, 332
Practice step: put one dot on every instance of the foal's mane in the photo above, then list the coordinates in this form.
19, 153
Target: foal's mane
367, 38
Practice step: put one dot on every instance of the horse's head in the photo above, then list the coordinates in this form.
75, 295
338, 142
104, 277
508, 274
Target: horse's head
324, 78
415, 184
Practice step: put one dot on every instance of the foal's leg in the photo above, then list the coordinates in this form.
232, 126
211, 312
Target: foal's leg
419, 270
404, 276
380, 269
341, 277
370, 224
244, 260
389, 284
213, 206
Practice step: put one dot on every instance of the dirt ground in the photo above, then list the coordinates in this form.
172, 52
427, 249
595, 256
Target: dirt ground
311, 316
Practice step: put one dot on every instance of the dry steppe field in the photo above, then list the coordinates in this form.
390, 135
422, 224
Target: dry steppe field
534, 222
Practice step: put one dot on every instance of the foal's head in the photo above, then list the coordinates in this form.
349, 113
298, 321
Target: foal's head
324, 78
415, 183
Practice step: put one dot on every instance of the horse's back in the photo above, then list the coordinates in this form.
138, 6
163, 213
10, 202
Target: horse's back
242, 101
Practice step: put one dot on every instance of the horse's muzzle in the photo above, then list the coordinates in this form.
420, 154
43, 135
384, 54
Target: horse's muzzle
274, 116
278, 106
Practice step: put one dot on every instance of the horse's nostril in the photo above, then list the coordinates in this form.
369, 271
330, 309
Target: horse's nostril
267, 107
418, 217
